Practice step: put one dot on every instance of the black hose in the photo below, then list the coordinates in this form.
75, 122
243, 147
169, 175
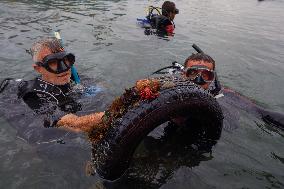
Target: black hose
159, 70
152, 8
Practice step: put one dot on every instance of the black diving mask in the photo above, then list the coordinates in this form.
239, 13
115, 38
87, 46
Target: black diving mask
176, 11
200, 74
58, 63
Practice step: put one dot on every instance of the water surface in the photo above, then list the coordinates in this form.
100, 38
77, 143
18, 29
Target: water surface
245, 37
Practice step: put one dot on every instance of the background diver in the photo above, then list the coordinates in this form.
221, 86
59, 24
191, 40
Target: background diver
162, 21
200, 68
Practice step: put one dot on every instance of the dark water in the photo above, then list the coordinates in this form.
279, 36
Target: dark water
245, 37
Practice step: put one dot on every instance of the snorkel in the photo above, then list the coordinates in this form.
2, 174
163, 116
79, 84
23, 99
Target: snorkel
176, 67
73, 69
198, 50
89, 91
199, 79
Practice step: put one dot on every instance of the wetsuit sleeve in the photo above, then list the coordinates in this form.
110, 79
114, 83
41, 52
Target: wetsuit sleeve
276, 118
249, 106
34, 101
40, 104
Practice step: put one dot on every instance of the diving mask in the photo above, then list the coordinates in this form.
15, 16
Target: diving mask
58, 63
176, 11
200, 74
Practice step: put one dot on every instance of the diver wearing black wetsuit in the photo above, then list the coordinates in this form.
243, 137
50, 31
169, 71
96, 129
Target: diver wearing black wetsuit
37, 94
53, 101
200, 69
52, 97
51, 94
164, 23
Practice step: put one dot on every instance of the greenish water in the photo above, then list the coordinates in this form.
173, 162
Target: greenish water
246, 38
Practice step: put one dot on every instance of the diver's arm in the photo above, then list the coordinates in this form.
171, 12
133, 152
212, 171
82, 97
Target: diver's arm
275, 118
249, 106
80, 123
43, 107
36, 103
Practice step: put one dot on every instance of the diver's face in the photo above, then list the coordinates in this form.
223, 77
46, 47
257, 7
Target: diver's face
56, 79
172, 16
204, 64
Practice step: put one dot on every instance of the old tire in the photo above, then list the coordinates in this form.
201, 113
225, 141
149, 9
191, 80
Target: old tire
113, 154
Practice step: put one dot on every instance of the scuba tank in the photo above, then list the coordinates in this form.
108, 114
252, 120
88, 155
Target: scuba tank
146, 21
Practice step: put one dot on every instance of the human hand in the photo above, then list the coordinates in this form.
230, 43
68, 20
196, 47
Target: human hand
97, 117
66, 120
83, 123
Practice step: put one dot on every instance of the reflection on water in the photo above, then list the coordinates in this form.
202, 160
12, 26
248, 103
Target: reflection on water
244, 37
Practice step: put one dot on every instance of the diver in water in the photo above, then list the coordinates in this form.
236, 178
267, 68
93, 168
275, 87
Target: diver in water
164, 24
200, 69
52, 94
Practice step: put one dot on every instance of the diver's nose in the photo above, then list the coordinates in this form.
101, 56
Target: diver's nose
199, 80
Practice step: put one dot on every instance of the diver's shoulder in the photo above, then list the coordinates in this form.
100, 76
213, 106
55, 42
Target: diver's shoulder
231, 94
25, 86
160, 19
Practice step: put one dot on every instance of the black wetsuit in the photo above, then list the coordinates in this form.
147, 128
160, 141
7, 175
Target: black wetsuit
47, 99
231, 102
160, 22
